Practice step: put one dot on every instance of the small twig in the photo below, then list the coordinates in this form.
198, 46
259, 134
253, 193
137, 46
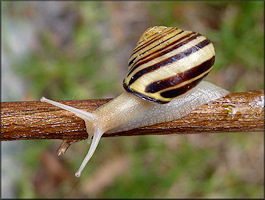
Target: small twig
65, 145
28, 120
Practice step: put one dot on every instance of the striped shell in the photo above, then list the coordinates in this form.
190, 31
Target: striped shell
168, 62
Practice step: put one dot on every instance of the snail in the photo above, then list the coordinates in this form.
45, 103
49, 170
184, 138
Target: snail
164, 83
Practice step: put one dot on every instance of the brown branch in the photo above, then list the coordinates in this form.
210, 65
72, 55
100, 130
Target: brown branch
237, 112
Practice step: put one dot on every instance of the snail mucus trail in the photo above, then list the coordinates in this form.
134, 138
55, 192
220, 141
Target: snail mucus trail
164, 83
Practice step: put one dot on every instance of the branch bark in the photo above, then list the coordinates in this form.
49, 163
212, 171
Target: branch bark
28, 120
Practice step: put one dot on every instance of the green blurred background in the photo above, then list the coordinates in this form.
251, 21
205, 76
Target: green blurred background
79, 50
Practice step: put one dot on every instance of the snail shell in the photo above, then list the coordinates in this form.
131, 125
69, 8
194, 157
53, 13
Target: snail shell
163, 84
168, 62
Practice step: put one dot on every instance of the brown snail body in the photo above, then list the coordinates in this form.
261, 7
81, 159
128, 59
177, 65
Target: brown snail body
164, 82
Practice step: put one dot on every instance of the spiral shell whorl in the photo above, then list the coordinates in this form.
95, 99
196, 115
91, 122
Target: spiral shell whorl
167, 62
